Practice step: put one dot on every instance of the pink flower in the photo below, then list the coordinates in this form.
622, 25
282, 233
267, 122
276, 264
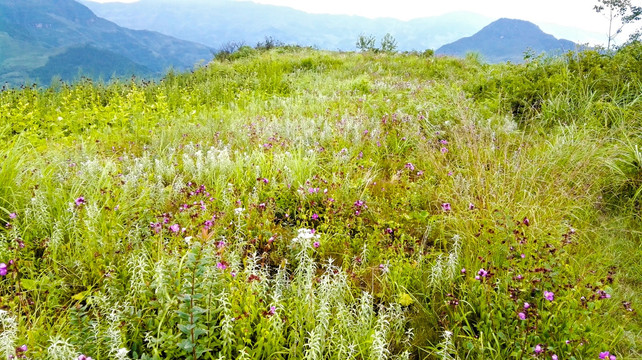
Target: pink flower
13, 216
22, 348
554, 357
526, 305
522, 316
482, 272
80, 201
410, 166
471, 206
221, 266
84, 357
446, 206
316, 244
526, 222
443, 142
3, 269
175, 228
272, 311
463, 271
315, 216
444, 150
604, 355
538, 349
549, 295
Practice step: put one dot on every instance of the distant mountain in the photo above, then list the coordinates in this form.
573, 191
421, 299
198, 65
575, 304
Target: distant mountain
507, 40
218, 22
43, 38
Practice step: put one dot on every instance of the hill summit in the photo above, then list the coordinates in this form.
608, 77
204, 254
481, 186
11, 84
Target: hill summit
507, 40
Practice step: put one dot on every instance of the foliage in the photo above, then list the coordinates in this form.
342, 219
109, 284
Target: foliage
293, 203
622, 11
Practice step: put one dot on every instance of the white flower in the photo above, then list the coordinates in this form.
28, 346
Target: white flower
239, 211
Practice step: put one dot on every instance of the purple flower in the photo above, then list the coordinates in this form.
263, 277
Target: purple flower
526, 305
272, 311
463, 270
482, 272
359, 203
84, 357
526, 222
538, 349
443, 142
22, 348
612, 357
175, 228
3, 269
522, 316
221, 266
410, 166
13, 216
444, 150
80, 201
471, 206
554, 357
315, 217
446, 206
604, 355
523, 256
316, 244
549, 295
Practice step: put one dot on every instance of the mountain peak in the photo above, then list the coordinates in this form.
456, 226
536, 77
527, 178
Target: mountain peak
507, 40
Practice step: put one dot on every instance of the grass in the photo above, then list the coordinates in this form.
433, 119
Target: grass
295, 203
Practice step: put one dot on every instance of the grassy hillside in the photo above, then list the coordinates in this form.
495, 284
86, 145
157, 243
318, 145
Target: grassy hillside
294, 204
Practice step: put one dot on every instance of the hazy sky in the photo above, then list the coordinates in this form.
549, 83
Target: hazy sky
573, 13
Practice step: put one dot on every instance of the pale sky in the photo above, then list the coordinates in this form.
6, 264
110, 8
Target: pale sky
572, 13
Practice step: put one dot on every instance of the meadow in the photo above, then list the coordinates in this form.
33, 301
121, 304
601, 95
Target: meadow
292, 203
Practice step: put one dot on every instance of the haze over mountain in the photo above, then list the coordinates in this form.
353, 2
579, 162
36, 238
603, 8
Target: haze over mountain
507, 40
42, 38
218, 22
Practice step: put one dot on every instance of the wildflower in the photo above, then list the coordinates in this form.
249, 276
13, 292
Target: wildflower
315, 216
446, 206
519, 277
80, 201
526, 222
316, 244
604, 355
420, 173
471, 206
221, 266
526, 305
554, 357
522, 316
84, 357
262, 206
3, 269
221, 244
443, 142
384, 268
450, 173
22, 348
313, 190
175, 228
239, 211
482, 272
272, 311
538, 349
410, 166
523, 256
13, 216
549, 295
359, 203
463, 271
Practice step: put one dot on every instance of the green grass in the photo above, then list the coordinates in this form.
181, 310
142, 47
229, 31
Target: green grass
188, 243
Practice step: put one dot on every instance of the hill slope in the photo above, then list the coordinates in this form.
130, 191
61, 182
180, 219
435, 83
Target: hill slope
507, 40
32, 31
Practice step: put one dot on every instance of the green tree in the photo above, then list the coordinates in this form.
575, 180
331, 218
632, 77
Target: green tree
620, 13
388, 44
366, 43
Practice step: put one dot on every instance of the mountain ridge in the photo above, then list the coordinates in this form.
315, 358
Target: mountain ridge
33, 31
507, 40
